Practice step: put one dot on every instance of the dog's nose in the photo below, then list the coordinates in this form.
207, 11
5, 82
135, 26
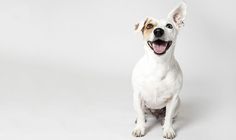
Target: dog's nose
158, 32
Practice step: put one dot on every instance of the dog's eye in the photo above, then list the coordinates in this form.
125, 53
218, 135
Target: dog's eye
169, 26
149, 26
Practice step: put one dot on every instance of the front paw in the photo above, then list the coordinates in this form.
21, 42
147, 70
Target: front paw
169, 133
138, 132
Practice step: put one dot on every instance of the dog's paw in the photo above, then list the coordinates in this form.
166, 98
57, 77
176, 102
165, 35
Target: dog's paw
169, 133
138, 132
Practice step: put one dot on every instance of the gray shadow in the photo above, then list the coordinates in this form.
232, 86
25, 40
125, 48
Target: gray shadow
195, 105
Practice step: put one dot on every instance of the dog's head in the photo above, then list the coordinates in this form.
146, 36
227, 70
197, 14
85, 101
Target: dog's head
160, 35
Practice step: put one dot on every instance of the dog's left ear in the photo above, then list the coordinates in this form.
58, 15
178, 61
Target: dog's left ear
138, 27
178, 14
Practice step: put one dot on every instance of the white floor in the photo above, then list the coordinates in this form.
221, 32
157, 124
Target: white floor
56, 102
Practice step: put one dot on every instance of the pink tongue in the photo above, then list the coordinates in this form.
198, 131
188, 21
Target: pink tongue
159, 48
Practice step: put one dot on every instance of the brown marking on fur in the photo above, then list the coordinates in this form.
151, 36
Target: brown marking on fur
146, 32
144, 25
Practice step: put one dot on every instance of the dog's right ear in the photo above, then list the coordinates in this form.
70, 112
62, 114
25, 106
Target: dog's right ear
140, 26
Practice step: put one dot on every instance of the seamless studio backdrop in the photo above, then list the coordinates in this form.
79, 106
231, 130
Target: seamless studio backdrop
65, 69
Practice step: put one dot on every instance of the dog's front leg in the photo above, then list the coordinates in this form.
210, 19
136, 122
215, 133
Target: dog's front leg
171, 110
139, 130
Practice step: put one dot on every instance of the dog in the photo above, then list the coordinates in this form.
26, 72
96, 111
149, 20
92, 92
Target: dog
157, 78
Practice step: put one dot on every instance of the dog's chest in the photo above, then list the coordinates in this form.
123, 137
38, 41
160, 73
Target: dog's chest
156, 90
157, 85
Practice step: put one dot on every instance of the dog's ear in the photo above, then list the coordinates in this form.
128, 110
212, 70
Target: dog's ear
177, 15
138, 27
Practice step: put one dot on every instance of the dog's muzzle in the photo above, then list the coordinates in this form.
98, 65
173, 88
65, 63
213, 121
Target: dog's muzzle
158, 32
159, 46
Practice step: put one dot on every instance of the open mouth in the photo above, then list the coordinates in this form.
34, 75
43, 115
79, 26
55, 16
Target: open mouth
159, 46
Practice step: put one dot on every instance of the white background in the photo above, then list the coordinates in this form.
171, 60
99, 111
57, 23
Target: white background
65, 69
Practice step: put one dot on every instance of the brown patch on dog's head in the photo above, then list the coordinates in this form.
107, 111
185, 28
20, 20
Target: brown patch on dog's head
146, 27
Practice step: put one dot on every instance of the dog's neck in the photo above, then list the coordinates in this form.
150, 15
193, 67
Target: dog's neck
159, 59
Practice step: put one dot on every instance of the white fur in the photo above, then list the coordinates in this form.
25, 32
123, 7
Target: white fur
157, 79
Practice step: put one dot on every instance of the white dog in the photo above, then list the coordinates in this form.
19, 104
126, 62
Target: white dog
157, 78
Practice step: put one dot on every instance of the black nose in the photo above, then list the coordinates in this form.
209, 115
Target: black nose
158, 32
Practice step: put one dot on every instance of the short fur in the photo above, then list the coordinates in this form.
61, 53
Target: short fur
157, 78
